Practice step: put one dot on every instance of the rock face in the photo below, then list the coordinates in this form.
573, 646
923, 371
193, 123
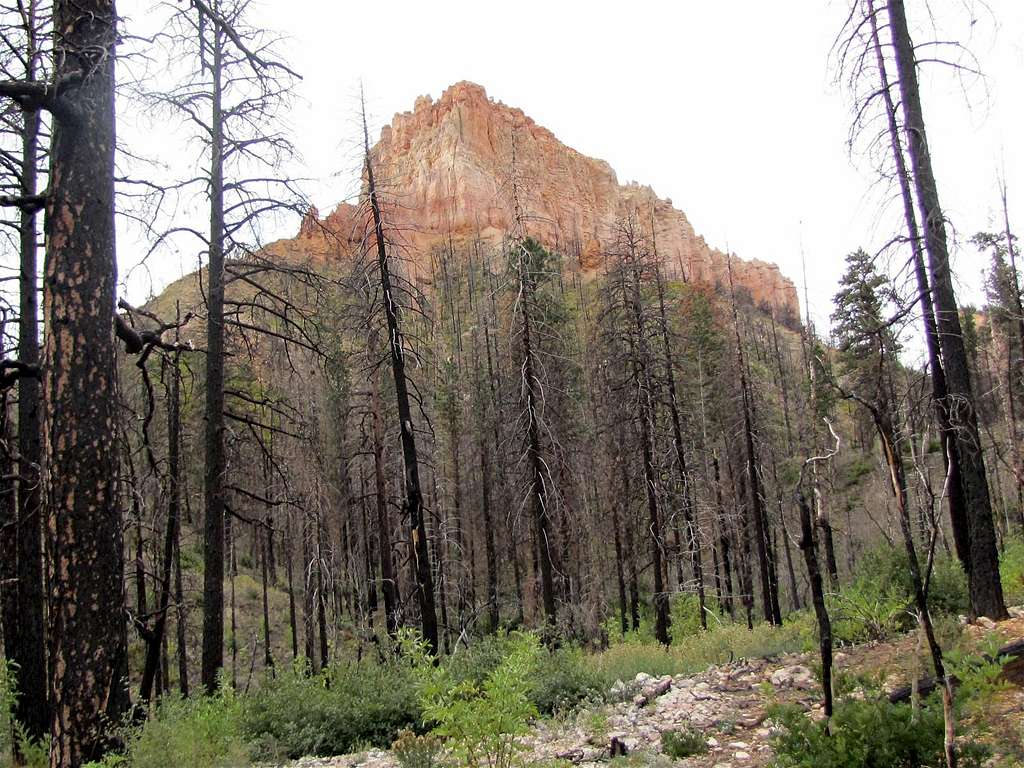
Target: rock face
447, 170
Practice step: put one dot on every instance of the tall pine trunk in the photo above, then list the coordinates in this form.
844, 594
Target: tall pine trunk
982, 563
414, 495
216, 461
28, 650
86, 626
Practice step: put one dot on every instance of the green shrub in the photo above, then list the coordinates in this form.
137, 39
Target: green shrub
866, 733
475, 663
886, 570
6, 705
686, 614
683, 743
416, 751
343, 708
865, 611
202, 732
563, 680
1011, 569
481, 724
35, 753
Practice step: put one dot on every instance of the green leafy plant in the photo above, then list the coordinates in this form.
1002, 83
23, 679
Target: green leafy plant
563, 682
481, 724
978, 672
7, 697
683, 743
203, 732
866, 733
343, 708
413, 750
595, 723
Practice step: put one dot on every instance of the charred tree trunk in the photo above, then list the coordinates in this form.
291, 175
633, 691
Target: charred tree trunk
538, 487
27, 649
414, 495
156, 636
809, 547
388, 584
179, 619
724, 542
86, 627
692, 538
982, 565
216, 459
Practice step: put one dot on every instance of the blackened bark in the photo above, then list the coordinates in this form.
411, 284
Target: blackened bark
620, 576
692, 539
8, 545
769, 595
414, 494
86, 624
179, 599
155, 638
289, 567
984, 584
809, 547
264, 538
940, 391
27, 650
538, 488
216, 459
388, 584
724, 542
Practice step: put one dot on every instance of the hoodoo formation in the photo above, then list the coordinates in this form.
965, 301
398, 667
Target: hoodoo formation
447, 169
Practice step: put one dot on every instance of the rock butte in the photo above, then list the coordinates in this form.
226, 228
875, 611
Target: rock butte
446, 168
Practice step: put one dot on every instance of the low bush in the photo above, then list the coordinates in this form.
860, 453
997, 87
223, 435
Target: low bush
481, 724
1011, 569
563, 680
866, 733
201, 732
414, 750
683, 743
886, 570
340, 710
6, 705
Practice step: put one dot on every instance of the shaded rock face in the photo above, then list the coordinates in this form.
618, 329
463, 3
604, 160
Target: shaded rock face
447, 169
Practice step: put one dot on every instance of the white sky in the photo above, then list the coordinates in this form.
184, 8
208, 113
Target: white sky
727, 107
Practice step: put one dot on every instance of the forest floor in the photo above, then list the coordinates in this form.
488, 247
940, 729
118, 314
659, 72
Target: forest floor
728, 705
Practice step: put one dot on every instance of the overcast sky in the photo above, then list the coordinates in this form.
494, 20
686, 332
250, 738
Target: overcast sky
728, 107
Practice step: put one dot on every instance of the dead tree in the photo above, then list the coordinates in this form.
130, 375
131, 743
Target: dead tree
413, 508
809, 548
87, 641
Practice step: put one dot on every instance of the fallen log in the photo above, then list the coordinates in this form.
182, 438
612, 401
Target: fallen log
928, 684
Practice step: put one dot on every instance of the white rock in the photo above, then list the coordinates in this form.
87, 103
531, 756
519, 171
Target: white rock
797, 676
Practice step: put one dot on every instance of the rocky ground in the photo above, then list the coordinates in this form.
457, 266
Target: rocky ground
727, 704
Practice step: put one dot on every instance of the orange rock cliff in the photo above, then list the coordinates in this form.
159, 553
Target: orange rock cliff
446, 169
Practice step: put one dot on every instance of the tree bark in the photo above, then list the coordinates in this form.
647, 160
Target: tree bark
28, 651
216, 460
414, 494
86, 623
984, 584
